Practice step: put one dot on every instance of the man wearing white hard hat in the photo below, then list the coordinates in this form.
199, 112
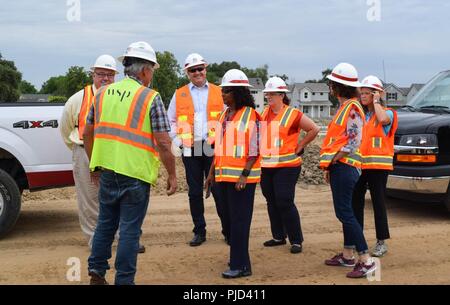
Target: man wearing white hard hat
377, 150
73, 122
193, 113
341, 159
126, 138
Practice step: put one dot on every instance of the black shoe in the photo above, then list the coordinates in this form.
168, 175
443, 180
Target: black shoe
296, 248
232, 274
141, 249
273, 243
97, 279
197, 240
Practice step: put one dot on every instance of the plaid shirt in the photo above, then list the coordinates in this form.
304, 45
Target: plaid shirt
158, 115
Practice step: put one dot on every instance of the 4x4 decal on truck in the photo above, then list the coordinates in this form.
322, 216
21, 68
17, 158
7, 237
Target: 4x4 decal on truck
36, 124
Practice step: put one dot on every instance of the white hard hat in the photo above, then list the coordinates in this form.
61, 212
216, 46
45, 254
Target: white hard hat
142, 50
345, 74
194, 59
276, 84
235, 78
372, 82
105, 62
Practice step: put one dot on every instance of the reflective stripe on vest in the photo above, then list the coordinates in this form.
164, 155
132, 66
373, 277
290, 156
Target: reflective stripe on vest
88, 99
377, 148
277, 145
185, 113
230, 161
336, 137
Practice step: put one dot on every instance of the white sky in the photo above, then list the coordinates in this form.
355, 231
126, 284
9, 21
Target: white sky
295, 37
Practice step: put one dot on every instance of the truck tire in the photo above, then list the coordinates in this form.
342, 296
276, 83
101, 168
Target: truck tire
10, 201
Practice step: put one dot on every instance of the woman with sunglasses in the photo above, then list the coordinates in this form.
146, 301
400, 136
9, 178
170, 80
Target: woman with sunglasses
377, 150
236, 169
341, 160
281, 162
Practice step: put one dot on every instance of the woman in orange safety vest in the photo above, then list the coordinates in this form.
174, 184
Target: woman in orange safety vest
341, 160
281, 162
377, 151
236, 169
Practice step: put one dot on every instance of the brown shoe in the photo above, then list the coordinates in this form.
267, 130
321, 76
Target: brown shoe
141, 249
97, 279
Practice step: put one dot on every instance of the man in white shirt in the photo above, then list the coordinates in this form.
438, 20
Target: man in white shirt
193, 113
73, 122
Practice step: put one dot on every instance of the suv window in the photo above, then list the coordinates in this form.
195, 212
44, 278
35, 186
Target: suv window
435, 93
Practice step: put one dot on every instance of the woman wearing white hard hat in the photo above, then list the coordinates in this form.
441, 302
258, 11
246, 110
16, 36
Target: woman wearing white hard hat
377, 150
236, 169
281, 162
341, 160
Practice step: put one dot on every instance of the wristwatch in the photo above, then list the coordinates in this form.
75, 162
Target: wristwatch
245, 172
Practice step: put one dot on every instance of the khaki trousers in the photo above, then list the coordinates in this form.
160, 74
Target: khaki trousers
87, 193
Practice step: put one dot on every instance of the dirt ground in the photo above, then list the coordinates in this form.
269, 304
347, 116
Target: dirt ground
47, 234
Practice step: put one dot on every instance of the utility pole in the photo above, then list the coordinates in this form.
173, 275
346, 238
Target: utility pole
384, 73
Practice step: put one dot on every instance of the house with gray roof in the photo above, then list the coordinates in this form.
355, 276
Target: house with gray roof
397, 97
311, 98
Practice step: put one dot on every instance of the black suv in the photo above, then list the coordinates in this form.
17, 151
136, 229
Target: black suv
422, 145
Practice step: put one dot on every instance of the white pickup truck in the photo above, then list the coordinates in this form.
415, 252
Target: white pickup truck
32, 155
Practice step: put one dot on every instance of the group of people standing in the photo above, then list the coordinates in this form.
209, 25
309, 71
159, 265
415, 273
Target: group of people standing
120, 132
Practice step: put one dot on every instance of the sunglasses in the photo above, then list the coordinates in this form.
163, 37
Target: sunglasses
199, 69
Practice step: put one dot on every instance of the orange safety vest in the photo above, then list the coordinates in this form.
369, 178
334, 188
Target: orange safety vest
232, 147
88, 100
185, 113
377, 148
337, 137
277, 145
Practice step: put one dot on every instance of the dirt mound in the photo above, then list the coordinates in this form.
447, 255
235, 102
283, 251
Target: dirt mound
311, 173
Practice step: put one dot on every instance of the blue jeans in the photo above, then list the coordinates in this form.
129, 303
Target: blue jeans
343, 179
123, 205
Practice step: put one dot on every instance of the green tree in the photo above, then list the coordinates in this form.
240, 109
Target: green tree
166, 78
9, 81
260, 72
54, 85
27, 88
75, 80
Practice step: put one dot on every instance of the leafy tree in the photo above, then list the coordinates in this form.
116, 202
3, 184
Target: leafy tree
166, 78
54, 85
27, 88
260, 72
9, 81
75, 80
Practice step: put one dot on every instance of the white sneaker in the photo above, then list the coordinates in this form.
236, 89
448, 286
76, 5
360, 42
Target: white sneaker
380, 249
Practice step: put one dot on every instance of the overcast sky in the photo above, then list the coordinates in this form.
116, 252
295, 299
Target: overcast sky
294, 37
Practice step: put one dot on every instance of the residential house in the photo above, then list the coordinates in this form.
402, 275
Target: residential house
311, 98
397, 97
257, 93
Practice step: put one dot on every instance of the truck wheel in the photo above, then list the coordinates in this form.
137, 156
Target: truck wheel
10, 201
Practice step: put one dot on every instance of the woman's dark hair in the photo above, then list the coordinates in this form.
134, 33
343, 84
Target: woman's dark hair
286, 100
242, 97
343, 90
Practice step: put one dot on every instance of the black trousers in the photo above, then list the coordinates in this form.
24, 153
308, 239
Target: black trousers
197, 168
238, 211
376, 181
278, 187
